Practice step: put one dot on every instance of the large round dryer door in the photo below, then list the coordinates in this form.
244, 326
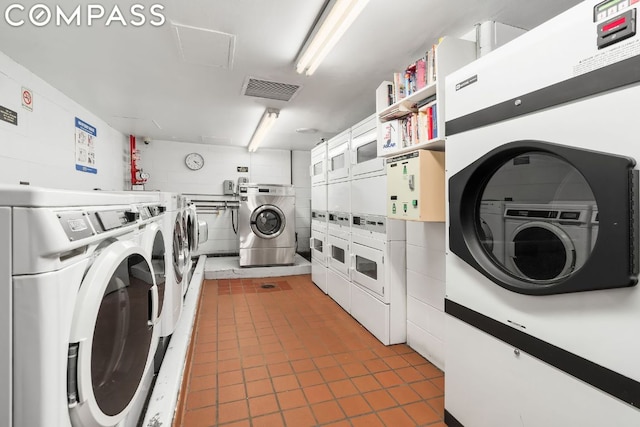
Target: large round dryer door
113, 338
543, 242
268, 221
541, 252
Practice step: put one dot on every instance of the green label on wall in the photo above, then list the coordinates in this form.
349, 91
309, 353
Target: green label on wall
8, 116
243, 168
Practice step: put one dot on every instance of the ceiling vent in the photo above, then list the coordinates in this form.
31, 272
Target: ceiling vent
269, 89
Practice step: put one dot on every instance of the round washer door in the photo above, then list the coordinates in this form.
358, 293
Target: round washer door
113, 338
541, 252
153, 244
179, 252
268, 221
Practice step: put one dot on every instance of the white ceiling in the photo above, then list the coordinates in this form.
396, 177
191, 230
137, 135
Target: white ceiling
135, 78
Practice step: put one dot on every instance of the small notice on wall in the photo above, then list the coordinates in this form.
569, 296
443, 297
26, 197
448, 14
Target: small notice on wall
27, 99
8, 116
243, 168
85, 147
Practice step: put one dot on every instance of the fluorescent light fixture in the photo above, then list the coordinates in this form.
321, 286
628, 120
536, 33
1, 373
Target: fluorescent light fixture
268, 119
327, 32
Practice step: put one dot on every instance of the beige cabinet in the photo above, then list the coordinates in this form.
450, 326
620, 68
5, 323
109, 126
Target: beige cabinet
415, 186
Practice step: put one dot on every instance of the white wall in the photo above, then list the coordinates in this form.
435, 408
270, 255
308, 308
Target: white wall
41, 148
426, 289
301, 160
164, 161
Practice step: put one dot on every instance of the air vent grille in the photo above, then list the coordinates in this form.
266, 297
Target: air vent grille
270, 89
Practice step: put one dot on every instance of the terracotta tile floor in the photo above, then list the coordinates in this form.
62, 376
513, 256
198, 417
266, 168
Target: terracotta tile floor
288, 355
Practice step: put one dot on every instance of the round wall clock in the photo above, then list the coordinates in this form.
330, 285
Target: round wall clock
194, 161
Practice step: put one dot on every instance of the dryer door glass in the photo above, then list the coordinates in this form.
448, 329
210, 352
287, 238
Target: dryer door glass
542, 252
267, 221
122, 335
367, 152
543, 222
530, 216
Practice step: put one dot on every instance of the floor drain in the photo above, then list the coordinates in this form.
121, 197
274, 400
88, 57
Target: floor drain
268, 286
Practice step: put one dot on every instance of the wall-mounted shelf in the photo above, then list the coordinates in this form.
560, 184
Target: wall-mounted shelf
406, 105
403, 126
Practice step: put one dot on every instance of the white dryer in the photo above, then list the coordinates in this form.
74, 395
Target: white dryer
559, 349
318, 168
339, 173
378, 275
318, 245
368, 172
79, 324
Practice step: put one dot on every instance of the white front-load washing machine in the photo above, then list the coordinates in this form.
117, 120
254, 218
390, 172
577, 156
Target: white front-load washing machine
78, 322
175, 263
546, 242
266, 225
546, 120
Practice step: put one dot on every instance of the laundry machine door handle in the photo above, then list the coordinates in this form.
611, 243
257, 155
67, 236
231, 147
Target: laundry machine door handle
510, 249
153, 306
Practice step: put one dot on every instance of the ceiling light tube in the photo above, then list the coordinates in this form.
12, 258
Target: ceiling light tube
336, 22
268, 119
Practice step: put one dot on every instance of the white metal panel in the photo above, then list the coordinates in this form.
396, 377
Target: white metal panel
338, 288
319, 197
318, 168
319, 275
524, 390
372, 313
339, 197
364, 149
553, 52
369, 195
339, 157
42, 341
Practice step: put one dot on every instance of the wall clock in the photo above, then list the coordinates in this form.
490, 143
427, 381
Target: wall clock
194, 161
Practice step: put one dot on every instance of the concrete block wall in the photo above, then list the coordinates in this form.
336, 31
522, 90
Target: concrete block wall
426, 289
40, 149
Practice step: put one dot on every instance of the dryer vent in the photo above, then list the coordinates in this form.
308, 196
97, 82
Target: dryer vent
269, 89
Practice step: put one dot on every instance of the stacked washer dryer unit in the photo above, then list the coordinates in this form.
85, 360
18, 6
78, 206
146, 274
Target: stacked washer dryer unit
266, 225
319, 216
339, 225
79, 322
554, 326
378, 291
